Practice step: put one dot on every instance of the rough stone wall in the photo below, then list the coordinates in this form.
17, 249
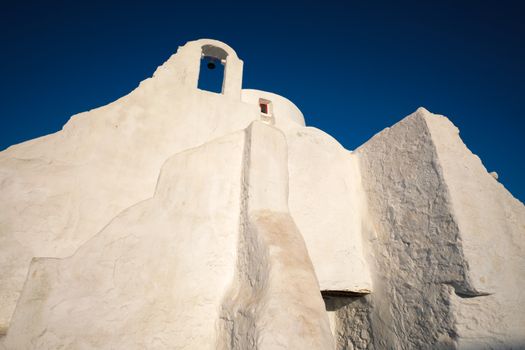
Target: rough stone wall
351, 316
445, 246
224, 248
414, 246
492, 228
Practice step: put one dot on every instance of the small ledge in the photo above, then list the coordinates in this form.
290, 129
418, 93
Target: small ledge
344, 293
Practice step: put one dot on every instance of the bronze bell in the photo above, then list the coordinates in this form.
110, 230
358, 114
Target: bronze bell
211, 63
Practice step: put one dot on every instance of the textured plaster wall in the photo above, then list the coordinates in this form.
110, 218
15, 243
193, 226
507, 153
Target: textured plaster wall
276, 292
59, 190
412, 239
180, 218
160, 273
492, 225
155, 276
326, 200
425, 262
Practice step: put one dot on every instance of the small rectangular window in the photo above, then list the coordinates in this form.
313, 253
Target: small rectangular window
264, 108
266, 111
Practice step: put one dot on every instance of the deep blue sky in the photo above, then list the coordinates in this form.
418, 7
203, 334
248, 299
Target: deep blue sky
352, 68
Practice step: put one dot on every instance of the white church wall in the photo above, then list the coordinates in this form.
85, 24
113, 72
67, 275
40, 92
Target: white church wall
152, 278
59, 190
326, 202
491, 224
141, 225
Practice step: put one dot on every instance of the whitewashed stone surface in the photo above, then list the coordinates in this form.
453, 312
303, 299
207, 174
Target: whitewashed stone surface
176, 218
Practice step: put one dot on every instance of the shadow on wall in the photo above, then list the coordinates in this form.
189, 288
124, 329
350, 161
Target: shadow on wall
333, 302
354, 309
518, 345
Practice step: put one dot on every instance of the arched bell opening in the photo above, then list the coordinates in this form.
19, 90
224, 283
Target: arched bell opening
212, 69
